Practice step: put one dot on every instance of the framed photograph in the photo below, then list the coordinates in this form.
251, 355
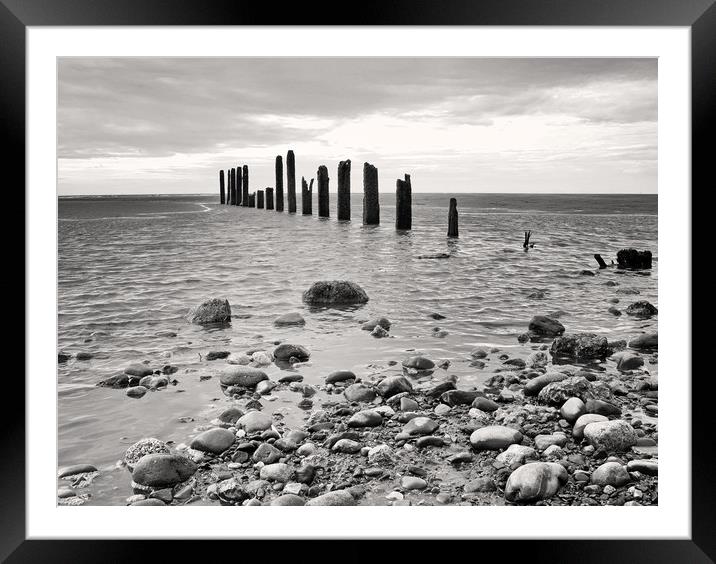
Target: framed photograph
398, 277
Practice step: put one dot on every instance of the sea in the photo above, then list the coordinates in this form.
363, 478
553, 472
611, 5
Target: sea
131, 267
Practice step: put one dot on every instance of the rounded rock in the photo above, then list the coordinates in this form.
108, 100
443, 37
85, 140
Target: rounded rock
241, 375
535, 481
163, 470
494, 437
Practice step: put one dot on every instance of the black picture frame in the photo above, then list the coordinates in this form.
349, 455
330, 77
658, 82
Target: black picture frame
698, 15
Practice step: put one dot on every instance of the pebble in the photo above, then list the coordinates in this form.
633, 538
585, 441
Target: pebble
583, 421
442, 409
240, 375
573, 409
516, 454
413, 483
610, 473
161, 470
650, 467
535, 481
336, 497
136, 391
276, 472
214, 441
494, 437
420, 426
407, 404
611, 436
254, 422
485, 404
67, 471
419, 363
365, 418
346, 446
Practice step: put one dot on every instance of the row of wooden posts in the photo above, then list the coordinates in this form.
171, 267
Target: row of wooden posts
235, 192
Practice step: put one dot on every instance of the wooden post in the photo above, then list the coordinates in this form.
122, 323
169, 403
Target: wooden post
322, 176
306, 197
403, 204
245, 186
260, 199
279, 183
291, 181
600, 260
371, 206
452, 218
237, 201
252, 200
344, 190
269, 198
232, 197
222, 193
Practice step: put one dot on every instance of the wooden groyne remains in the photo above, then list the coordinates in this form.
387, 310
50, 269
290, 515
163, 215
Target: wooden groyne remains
234, 191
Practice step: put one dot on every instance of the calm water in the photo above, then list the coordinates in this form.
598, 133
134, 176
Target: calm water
130, 268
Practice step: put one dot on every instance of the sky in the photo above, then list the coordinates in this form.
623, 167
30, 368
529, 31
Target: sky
168, 125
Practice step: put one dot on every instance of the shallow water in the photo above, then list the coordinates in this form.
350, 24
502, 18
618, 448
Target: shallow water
131, 267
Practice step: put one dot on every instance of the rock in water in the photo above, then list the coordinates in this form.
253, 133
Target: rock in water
383, 322
136, 391
419, 363
335, 292
143, 447
240, 375
645, 341
631, 258
535, 481
378, 332
336, 497
580, 346
289, 319
116, 381
66, 471
285, 352
215, 310
641, 310
163, 470
494, 437
138, 370
459, 397
611, 436
545, 326
214, 441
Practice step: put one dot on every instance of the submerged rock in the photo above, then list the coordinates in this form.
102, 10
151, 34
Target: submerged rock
138, 370
215, 310
136, 391
286, 351
378, 332
645, 341
335, 292
641, 310
74, 469
340, 376
289, 319
631, 258
419, 363
117, 381
535, 481
383, 322
545, 326
581, 346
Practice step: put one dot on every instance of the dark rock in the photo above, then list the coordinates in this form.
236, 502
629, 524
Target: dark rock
429, 440
66, 471
63, 357
116, 381
340, 376
215, 310
645, 341
215, 355
545, 326
437, 389
557, 393
393, 385
459, 397
359, 393
629, 361
84, 356
601, 407
419, 363
437, 316
290, 378
138, 370
231, 491
136, 391
289, 319
285, 352
163, 470
266, 453
642, 310
535, 481
240, 375
231, 415
379, 322
494, 437
614, 311
485, 404
580, 346
214, 441
335, 292
631, 258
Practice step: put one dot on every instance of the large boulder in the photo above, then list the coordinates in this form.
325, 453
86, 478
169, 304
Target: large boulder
286, 351
240, 375
215, 310
163, 470
335, 292
611, 436
535, 481
631, 258
494, 437
641, 310
545, 326
581, 346
645, 341
557, 393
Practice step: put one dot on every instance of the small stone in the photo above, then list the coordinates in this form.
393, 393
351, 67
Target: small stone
288, 499
254, 422
413, 483
240, 375
516, 454
346, 446
494, 437
214, 441
407, 404
138, 370
378, 332
359, 393
382, 322
161, 470
340, 376
583, 421
277, 472
285, 352
142, 448
442, 409
649, 467
335, 497
610, 473
418, 363
365, 418
544, 441
611, 436
485, 404
67, 471
266, 453
480, 485
381, 454
535, 481
420, 426
572, 409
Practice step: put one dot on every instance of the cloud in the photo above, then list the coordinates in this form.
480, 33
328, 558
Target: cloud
198, 115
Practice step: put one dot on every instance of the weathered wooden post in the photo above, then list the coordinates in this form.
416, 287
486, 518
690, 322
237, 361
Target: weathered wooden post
306, 197
452, 218
222, 194
252, 200
403, 204
245, 186
291, 181
237, 202
260, 199
269, 198
344, 190
232, 191
279, 183
371, 206
322, 181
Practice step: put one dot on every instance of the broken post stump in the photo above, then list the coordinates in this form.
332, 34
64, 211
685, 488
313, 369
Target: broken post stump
245, 186
252, 200
322, 176
452, 218
237, 202
291, 181
222, 193
306, 197
269, 198
344, 190
371, 206
279, 183
633, 259
600, 260
403, 204
260, 199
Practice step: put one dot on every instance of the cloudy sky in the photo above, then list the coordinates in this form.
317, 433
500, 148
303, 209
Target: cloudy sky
167, 125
